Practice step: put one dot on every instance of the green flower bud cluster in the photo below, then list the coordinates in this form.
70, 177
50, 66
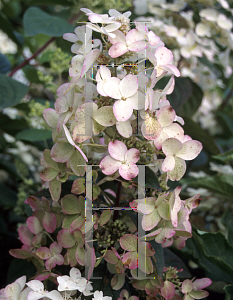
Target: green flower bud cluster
60, 61
99, 5
103, 59
35, 116
21, 169
171, 275
105, 101
163, 182
45, 78
176, 19
114, 232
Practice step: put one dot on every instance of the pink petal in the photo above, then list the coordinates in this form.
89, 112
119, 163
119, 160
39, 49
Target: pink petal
190, 150
171, 146
168, 163
159, 141
129, 85
111, 88
166, 115
55, 248
43, 253
128, 171
153, 39
132, 156
33, 224
130, 258
200, 284
25, 235
163, 56
168, 290
137, 46
109, 165
119, 37
133, 36
117, 150
122, 110
49, 221
69, 138
117, 50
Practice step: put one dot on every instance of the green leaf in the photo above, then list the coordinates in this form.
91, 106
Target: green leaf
229, 292
197, 133
6, 26
51, 2
33, 135
11, 91
186, 97
5, 65
8, 197
227, 220
193, 251
31, 74
151, 180
227, 118
18, 268
158, 256
221, 184
225, 157
217, 249
36, 21
12, 126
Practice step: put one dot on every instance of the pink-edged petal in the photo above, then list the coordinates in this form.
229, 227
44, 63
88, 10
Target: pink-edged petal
69, 138
178, 172
33, 224
138, 46
25, 235
166, 116
133, 36
187, 286
117, 50
117, 150
51, 117
199, 294
168, 163
168, 290
171, 146
153, 39
128, 171
119, 38
129, 85
55, 248
122, 110
159, 141
132, 156
173, 69
163, 56
89, 60
190, 150
43, 253
111, 88
151, 220
130, 258
200, 284
109, 165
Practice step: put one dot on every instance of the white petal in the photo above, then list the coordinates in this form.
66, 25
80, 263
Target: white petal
124, 128
111, 88
171, 146
129, 85
122, 110
190, 150
168, 163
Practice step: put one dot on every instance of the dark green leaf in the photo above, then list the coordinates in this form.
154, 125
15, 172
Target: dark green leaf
227, 156
221, 184
8, 197
151, 180
11, 126
229, 292
197, 133
193, 251
11, 91
158, 256
173, 260
31, 74
6, 26
33, 135
20, 267
216, 249
186, 97
5, 65
36, 21
227, 220
227, 118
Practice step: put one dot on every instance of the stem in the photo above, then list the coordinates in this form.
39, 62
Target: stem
49, 236
27, 61
118, 196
